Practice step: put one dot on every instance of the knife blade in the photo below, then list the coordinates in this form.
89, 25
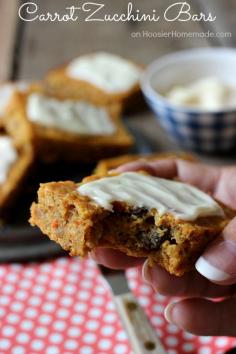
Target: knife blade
141, 334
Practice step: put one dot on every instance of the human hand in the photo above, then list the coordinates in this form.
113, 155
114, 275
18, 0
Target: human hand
215, 273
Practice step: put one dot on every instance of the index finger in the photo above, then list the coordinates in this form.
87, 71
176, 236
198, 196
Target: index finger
200, 175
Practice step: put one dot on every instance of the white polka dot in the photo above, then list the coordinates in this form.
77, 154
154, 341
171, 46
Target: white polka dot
37, 344
172, 341
69, 289
12, 278
100, 290
55, 338
157, 321
62, 313
38, 289
121, 335
72, 278
13, 318
52, 350
120, 349
17, 306
144, 300
71, 344
27, 325
92, 325
2, 312
104, 344
59, 325
4, 300
18, 350
83, 295
98, 301
89, 338
31, 312
107, 330
35, 301
172, 328
66, 301
29, 273
205, 350
49, 307
8, 331
77, 319
25, 284
8, 289
188, 347
145, 289
4, 344
52, 295
59, 272
110, 317
2, 271
87, 284
42, 278
56, 284
80, 307
86, 350
21, 295
74, 332
16, 267
221, 342
110, 306
158, 308
22, 338
45, 319
46, 268
41, 331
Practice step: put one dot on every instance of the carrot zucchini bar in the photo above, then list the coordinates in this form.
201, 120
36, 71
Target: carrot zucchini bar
101, 78
15, 164
144, 216
66, 129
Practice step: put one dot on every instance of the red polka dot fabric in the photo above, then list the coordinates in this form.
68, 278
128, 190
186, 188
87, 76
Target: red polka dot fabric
63, 307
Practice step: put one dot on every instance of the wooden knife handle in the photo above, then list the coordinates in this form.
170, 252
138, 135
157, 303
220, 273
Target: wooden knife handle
141, 334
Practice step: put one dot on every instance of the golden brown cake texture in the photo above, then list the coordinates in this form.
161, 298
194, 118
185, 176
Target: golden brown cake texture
51, 143
105, 165
17, 174
80, 225
58, 83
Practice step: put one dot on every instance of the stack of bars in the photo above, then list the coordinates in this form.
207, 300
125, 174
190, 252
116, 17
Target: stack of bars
73, 115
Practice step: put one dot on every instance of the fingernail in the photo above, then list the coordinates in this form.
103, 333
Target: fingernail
168, 312
218, 262
146, 272
210, 272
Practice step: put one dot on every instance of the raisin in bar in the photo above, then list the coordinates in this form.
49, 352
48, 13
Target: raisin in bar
168, 222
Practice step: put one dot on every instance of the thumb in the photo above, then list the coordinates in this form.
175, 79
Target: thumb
218, 262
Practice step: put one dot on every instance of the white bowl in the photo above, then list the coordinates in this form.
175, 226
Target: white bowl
194, 128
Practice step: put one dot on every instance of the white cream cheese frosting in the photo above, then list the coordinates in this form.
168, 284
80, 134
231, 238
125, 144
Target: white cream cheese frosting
183, 201
209, 93
6, 92
71, 116
8, 156
108, 72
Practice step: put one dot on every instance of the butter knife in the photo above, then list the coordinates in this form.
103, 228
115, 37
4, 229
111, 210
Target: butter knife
141, 334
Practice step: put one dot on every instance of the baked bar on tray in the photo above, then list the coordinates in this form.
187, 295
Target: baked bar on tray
66, 129
15, 165
101, 78
144, 216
